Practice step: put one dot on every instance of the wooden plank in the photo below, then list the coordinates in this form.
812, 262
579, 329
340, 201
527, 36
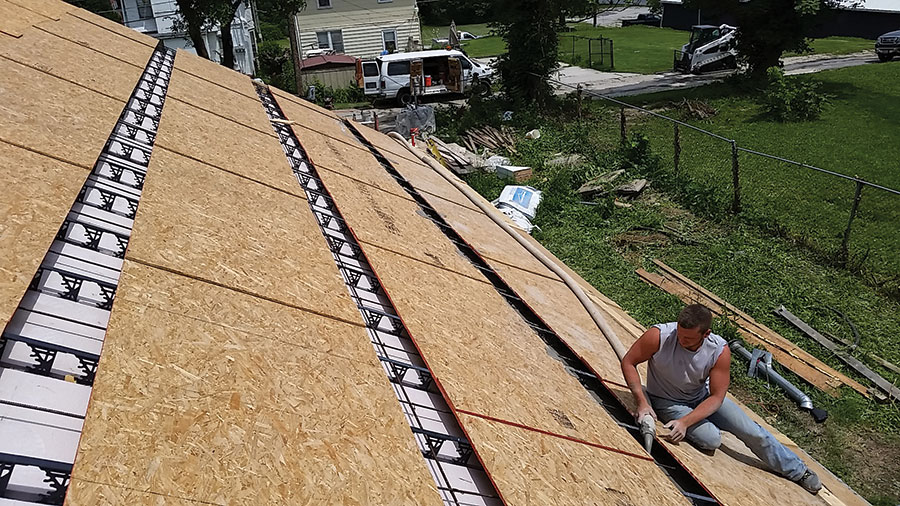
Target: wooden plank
87, 493
40, 191
845, 357
394, 223
533, 468
486, 359
215, 75
202, 397
52, 116
241, 104
790, 355
112, 44
208, 223
15, 20
225, 144
73, 62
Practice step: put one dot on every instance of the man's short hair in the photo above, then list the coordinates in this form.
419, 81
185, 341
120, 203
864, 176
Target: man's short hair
695, 316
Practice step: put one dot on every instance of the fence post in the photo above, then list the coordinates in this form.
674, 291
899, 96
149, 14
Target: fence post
579, 92
612, 61
736, 202
573, 49
590, 53
844, 253
622, 125
677, 146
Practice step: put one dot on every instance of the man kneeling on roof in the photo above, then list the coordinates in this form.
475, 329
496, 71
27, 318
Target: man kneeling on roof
687, 378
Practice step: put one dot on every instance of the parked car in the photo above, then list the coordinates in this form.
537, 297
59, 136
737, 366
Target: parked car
643, 19
888, 46
441, 72
463, 36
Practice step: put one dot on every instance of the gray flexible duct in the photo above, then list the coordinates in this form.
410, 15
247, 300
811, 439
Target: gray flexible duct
588, 304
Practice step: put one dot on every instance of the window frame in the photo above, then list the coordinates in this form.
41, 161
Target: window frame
329, 34
320, 6
384, 41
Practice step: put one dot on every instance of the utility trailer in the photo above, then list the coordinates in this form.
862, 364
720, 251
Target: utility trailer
710, 48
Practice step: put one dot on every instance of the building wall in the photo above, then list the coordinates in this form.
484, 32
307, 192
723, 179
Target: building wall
162, 26
361, 28
334, 77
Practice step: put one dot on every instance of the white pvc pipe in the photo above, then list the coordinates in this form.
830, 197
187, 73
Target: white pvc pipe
588, 304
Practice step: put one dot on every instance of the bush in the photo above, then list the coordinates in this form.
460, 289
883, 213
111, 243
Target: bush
788, 99
349, 95
275, 66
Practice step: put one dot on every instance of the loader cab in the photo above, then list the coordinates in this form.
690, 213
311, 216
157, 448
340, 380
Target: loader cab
702, 35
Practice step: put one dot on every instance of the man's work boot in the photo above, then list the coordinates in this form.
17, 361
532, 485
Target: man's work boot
810, 482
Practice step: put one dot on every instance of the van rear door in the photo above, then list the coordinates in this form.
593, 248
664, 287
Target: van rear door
370, 77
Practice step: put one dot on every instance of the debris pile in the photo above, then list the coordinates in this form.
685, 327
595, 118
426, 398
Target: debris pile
490, 138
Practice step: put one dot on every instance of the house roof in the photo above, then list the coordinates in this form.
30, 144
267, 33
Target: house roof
248, 259
326, 59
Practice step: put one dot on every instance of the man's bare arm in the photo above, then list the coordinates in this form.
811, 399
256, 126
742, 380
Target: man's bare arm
640, 352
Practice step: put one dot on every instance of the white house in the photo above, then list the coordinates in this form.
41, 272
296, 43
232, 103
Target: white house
361, 28
157, 18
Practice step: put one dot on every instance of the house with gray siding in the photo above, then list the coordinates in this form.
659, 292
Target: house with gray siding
361, 28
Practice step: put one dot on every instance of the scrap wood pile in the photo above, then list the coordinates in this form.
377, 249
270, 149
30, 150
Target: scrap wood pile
696, 109
788, 354
455, 157
490, 138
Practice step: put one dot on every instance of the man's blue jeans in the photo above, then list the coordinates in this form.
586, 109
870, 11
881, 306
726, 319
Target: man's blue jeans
731, 418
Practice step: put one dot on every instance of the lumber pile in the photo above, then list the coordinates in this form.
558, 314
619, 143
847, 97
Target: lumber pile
808, 367
453, 156
491, 138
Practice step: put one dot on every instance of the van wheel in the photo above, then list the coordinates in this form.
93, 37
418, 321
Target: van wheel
484, 88
404, 97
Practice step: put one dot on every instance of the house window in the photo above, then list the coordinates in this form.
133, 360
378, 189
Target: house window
145, 10
324, 4
331, 40
389, 38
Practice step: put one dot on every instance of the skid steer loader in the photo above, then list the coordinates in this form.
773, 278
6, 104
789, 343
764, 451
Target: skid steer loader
710, 48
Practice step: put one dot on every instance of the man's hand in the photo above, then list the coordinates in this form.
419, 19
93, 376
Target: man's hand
678, 430
644, 409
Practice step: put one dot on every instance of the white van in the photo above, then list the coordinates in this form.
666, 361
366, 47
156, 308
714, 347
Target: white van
425, 73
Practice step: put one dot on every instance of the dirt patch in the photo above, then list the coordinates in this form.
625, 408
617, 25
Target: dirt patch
873, 459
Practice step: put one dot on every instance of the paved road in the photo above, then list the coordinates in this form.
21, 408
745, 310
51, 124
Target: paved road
615, 16
616, 84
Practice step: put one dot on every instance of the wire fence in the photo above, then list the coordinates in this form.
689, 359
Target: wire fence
754, 188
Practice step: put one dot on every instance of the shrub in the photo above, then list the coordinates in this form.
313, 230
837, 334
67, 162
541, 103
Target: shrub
788, 99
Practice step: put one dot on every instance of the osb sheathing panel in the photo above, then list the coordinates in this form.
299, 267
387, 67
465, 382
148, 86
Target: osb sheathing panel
52, 9
489, 239
191, 409
15, 20
390, 147
394, 223
53, 116
99, 39
85, 493
193, 299
530, 468
225, 144
73, 62
112, 26
38, 194
232, 105
310, 120
486, 358
214, 73
208, 223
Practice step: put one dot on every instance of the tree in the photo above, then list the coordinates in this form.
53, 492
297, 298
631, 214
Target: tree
530, 28
768, 28
198, 16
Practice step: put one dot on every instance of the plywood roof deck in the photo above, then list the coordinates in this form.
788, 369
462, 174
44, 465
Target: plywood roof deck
559, 308
212, 395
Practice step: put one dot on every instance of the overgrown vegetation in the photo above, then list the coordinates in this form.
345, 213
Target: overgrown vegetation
737, 259
787, 99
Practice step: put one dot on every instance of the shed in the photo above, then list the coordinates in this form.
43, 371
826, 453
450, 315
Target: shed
334, 70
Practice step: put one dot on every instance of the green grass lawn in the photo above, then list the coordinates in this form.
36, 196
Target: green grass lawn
853, 137
639, 49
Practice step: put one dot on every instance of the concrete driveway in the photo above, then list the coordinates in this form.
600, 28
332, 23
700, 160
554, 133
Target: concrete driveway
616, 84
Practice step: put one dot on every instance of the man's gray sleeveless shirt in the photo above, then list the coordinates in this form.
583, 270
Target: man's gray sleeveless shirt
678, 374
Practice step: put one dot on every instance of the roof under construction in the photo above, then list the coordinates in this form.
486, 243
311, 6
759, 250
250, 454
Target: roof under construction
218, 293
